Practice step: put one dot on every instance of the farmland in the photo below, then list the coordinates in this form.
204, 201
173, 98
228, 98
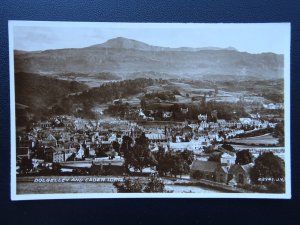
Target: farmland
267, 139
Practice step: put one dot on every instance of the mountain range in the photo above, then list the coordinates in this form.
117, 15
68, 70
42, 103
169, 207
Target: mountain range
125, 57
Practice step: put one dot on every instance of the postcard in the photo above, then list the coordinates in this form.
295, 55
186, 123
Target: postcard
149, 110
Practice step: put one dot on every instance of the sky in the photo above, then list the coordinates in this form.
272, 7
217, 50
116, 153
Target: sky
252, 38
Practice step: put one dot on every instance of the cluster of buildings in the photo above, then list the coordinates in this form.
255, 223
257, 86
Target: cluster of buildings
76, 142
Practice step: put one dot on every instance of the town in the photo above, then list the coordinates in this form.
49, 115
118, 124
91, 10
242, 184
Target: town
215, 137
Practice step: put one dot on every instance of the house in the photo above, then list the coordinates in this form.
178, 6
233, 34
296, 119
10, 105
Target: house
209, 170
58, 155
203, 125
221, 123
221, 174
239, 174
156, 137
65, 136
167, 114
202, 117
62, 155
204, 170
117, 102
228, 158
246, 121
49, 141
184, 111
92, 152
273, 106
46, 124
80, 153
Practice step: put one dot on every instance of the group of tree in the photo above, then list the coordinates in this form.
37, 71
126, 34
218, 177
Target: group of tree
164, 95
119, 110
224, 110
243, 157
39, 92
137, 155
167, 163
81, 103
136, 185
173, 163
25, 166
269, 170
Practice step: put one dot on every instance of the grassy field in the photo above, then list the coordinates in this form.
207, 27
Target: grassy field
25, 185
263, 139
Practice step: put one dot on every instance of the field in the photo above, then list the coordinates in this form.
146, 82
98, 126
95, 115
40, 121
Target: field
263, 139
51, 188
193, 90
25, 185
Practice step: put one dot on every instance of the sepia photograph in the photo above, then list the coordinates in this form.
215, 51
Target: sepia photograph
149, 110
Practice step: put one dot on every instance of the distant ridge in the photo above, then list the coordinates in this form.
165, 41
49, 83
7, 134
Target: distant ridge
128, 57
125, 43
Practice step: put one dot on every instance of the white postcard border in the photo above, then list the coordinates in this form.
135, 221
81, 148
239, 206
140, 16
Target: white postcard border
15, 196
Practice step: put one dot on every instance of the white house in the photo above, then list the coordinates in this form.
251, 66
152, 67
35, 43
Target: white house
80, 153
228, 159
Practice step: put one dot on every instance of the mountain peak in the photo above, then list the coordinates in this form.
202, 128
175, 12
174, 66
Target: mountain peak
125, 43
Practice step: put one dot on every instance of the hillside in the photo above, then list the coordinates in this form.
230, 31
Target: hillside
39, 92
130, 57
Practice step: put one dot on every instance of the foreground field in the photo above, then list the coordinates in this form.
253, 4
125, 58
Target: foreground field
25, 185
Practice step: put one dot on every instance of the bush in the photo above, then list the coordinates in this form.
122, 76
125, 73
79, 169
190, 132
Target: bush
129, 185
135, 185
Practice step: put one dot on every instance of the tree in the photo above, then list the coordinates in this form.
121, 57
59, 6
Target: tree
187, 156
129, 185
215, 158
179, 165
143, 103
269, 171
116, 146
126, 148
154, 185
56, 168
174, 163
101, 152
279, 132
126, 144
182, 162
208, 149
243, 157
228, 147
203, 102
139, 156
26, 165
162, 162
